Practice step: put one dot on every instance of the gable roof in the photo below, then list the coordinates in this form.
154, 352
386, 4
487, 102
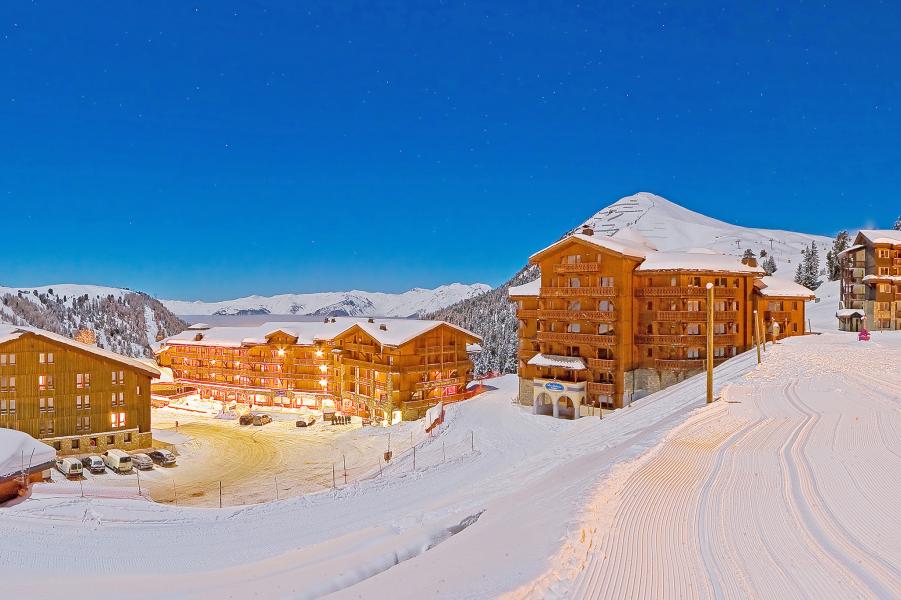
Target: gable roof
13, 332
880, 236
617, 245
696, 261
398, 331
777, 287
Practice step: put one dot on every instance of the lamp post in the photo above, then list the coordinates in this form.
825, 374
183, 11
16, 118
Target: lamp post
709, 343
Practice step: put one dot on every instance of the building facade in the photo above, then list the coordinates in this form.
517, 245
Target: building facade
871, 281
612, 319
384, 369
75, 397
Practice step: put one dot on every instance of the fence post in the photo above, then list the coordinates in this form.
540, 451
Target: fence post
443, 451
276, 486
414, 458
334, 485
220, 493
344, 458
138, 473
81, 485
174, 492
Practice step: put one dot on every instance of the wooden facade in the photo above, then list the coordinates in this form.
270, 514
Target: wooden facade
611, 320
383, 369
871, 281
77, 398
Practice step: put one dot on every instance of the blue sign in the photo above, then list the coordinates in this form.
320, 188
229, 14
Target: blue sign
553, 386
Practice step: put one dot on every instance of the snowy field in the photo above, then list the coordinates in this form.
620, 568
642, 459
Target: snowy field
786, 488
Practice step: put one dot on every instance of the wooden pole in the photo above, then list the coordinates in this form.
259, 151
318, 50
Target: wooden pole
334, 483
414, 458
138, 473
756, 337
709, 343
174, 492
344, 459
220, 494
760, 333
275, 478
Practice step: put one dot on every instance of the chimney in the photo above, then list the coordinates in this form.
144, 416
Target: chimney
383, 327
586, 230
198, 337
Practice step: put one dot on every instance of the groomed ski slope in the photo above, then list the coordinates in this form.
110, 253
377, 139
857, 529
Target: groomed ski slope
788, 489
652, 501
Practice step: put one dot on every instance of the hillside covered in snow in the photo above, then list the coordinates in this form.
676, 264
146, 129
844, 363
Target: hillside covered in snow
664, 223
412, 303
122, 320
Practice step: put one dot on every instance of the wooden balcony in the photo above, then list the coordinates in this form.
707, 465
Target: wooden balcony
684, 292
777, 315
352, 347
681, 340
601, 364
607, 389
684, 364
577, 338
578, 315
578, 292
427, 385
527, 313
585, 267
695, 315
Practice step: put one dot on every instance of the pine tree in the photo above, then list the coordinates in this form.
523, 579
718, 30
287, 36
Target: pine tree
769, 265
808, 271
763, 253
898, 224
748, 256
834, 263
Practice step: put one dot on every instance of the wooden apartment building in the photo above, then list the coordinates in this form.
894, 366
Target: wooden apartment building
612, 319
385, 369
75, 397
871, 281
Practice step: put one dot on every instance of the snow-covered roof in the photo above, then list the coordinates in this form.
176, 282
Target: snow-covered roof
19, 450
882, 236
875, 278
553, 360
395, 332
473, 348
620, 245
852, 249
849, 312
782, 288
695, 261
11, 332
533, 288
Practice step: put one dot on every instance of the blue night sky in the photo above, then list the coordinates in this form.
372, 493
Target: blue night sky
207, 150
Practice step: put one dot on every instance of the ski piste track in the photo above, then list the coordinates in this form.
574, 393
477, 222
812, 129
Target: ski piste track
787, 489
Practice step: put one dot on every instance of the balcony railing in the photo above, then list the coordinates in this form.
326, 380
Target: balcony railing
602, 364
585, 267
577, 338
684, 364
695, 315
678, 339
601, 388
427, 385
577, 315
687, 291
777, 315
578, 292
527, 313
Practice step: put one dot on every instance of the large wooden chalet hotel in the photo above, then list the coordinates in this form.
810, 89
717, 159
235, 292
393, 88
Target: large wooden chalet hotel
387, 369
612, 319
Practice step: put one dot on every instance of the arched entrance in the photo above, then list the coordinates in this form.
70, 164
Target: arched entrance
565, 408
544, 405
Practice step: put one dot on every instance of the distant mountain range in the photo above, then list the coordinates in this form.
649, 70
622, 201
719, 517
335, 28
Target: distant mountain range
412, 303
123, 321
665, 224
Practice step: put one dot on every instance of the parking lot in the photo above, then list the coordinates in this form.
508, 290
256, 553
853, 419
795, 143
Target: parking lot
251, 463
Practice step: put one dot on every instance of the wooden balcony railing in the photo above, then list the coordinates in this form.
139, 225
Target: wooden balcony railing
577, 315
585, 267
578, 292
577, 338
685, 291
353, 347
680, 340
601, 364
527, 313
427, 385
695, 315
601, 388
684, 364
777, 315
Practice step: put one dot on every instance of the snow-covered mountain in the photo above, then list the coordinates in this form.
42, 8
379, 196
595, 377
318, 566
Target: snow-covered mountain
122, 320
672, 227
664, 223
412, 303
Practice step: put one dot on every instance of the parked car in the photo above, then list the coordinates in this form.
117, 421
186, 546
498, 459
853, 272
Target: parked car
118, 460
261, 419
162, 457
70, 467
305, 421
246, 419
94, 464
142, 461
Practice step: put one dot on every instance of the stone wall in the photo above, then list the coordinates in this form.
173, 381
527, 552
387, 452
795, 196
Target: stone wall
526, 392
98, 443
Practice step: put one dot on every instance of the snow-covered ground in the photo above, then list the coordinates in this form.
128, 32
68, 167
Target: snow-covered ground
353, 304
797, 478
